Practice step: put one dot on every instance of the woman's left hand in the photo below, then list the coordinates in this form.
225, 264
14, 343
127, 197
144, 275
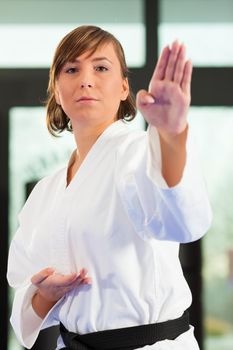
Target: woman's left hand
165, 104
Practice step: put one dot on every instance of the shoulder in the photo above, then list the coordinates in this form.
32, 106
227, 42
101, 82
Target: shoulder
52, 179
49, 182
132, 140
131, 152
128, 137
42, 192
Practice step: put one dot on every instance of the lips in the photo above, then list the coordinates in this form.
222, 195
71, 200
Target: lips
86, 98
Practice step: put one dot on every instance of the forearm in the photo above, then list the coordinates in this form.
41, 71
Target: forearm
173, 156
41, 306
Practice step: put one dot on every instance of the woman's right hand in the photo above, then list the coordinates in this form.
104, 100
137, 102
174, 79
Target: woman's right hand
53, 286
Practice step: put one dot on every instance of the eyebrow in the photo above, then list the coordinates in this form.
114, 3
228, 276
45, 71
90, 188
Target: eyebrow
96, 59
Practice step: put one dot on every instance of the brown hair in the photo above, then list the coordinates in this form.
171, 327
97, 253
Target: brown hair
74, 44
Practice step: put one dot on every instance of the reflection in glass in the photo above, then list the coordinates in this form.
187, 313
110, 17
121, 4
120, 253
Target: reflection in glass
34, 45
213, 128
204, 41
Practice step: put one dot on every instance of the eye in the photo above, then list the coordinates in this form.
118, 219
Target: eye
71, 70
101, 69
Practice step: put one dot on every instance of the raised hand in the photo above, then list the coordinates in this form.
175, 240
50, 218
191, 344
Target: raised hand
53, 286
165, 104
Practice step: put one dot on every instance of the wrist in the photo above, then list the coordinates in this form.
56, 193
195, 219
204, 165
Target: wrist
174, 140
41, 305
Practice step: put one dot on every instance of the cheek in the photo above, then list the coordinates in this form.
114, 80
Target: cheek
114, 89
65, 96
65, 89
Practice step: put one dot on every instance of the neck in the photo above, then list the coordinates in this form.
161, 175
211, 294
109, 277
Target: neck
86, 135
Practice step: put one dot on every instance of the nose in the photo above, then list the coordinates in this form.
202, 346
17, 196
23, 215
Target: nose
86, 79
86, 85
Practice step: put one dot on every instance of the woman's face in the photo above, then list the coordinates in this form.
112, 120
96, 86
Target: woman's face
91, 88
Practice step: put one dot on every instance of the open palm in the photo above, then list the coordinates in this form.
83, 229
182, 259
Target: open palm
53, 286
165, 104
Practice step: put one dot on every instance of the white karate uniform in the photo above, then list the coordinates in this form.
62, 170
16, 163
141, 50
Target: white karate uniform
118, 219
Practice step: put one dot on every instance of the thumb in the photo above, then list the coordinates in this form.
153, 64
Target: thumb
42, 275
144, 98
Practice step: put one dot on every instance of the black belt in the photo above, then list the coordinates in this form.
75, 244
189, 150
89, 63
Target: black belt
126, 338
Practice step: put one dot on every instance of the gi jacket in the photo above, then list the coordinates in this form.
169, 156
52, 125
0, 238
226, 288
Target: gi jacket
118, 219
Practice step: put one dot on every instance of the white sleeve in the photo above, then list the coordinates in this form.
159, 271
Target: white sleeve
24, 261
25, 322
181, 213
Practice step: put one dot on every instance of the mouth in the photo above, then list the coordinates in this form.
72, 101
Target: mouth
86, 99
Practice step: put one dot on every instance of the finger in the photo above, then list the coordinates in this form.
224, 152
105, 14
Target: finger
180, 64
84, 279
87, 280
144, 98
186, 80
83, 272
160, 67
42, 275
60, 280
78, 283
75, 284
171, 64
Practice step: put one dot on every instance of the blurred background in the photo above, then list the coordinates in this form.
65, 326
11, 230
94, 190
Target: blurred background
29, 33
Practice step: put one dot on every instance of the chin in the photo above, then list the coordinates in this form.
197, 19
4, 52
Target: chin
92, 120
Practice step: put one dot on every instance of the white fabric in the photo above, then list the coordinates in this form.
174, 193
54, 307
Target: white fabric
118, 219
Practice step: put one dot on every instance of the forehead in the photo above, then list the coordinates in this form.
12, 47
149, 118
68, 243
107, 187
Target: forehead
106, 51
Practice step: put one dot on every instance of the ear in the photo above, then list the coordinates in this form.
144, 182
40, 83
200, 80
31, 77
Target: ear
125, 89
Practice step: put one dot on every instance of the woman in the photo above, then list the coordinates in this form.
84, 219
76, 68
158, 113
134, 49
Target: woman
97, 246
